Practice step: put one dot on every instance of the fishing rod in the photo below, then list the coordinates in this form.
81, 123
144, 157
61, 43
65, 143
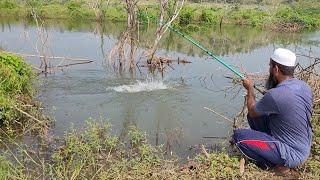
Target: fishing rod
209, 53
213, 56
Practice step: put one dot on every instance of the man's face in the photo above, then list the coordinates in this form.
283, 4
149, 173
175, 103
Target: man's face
272, 80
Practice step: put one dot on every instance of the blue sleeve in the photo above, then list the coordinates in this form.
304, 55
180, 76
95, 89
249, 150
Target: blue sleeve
267, 105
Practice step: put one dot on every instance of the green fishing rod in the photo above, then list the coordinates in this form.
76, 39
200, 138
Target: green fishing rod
213, 56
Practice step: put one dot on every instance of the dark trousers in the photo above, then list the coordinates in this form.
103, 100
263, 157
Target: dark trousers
257, 143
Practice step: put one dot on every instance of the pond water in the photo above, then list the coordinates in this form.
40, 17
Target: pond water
168, 107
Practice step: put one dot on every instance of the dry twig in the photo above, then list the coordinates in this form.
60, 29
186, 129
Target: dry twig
224, 117
204, 151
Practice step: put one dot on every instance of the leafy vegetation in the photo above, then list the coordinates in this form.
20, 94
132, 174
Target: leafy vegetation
253, 17
186, 15
8, 4
308, 18
16, 93
281, 16
209, 17
313, 163
93, 153
15, 79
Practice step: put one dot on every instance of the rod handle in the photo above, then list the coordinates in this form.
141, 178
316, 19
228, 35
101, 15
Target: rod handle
259, 89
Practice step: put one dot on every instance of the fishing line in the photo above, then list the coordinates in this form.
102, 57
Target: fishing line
215, 57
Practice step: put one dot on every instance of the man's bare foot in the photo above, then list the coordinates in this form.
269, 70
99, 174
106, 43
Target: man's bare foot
282, 170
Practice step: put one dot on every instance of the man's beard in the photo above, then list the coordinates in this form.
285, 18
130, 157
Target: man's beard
271, 82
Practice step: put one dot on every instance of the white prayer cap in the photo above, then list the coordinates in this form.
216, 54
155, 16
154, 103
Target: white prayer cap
284, 57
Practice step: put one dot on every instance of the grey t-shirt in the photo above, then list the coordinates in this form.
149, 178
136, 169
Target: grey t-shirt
289, 107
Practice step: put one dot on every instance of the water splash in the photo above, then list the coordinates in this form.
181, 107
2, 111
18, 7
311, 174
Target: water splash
141, 86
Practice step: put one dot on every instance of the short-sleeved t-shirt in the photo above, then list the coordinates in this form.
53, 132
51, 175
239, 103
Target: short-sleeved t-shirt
289, 107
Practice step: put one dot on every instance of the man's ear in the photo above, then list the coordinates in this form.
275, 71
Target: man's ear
276, 70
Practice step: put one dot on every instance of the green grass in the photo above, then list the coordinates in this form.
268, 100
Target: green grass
16, 92
15, 80
93, 152
252, 17
304, 15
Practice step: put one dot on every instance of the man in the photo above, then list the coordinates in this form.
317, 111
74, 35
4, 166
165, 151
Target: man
281, 132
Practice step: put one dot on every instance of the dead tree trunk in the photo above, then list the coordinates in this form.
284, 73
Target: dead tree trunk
163, 26
132, 27
42, 41
128, 37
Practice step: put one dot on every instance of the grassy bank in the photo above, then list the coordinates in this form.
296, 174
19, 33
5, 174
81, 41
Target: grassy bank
18, 110
92, 153
286, 17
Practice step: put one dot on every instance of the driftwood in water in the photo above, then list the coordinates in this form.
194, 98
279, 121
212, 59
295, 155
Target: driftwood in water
224, 117
167, 60
50, 57
60, 66
161, 63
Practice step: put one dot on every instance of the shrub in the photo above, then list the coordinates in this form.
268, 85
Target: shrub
116, 13
186, 15
145, 15
295, 15
8, 4
15, 83
15, 75
208, 16
74, 9
251, 17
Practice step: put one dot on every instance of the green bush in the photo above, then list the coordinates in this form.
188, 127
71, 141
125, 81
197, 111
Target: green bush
208, 16
15, 83
54, 10
8, 4
186, 15
74, 5
294, 15
147, 15
75, 10
116, 13
253, 17
15, 75
143, 16
4, 167
34, 3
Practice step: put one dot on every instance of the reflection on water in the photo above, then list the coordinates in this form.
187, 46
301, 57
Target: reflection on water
169, 109
229, 40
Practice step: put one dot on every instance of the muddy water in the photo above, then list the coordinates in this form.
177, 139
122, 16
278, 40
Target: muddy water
168, 107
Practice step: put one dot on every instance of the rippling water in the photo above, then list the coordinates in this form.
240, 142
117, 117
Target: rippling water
141, 86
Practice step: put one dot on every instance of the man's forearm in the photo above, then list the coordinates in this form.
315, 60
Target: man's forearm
251, 102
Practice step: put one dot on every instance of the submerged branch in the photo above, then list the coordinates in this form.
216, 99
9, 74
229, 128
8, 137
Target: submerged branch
224, 117
27, 114
49, 57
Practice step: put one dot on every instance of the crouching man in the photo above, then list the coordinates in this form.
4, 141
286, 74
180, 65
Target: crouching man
281, 132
